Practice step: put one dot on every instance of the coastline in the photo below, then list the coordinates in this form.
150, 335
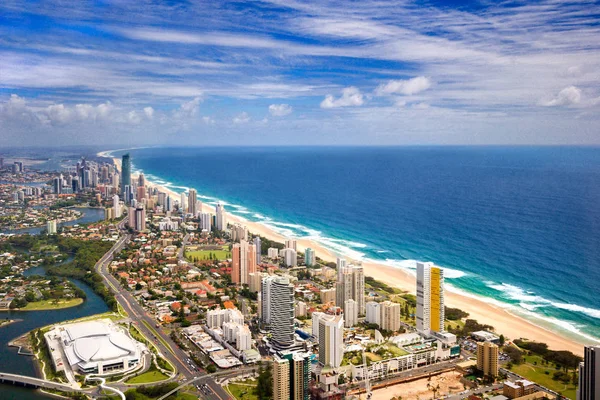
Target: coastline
510, 325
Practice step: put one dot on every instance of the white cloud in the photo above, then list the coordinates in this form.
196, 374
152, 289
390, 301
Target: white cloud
241, 118
149, 111
566, 97
280, 110
351, 97
208, 120
189, 109
134, 118
406, 87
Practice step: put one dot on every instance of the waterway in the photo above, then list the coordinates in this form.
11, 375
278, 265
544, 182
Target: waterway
89, 215
10, 361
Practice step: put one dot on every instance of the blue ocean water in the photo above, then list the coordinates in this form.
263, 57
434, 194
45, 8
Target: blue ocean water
519, 226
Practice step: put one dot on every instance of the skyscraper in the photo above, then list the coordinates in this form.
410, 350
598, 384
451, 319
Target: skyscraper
282, 313
182, 208
373, 313
487, 358
299, 373
390, 316
243, 262
220, 219
192, 202
258, 246
206, 222
265, 296
350, 313
116, 206
281, 378
589, 374
341, 265
430, 298
331, 340
141, 180
125, 174
351, 285
309, 257
291, 244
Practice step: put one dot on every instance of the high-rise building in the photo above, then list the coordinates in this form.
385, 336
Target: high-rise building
191, 209
290, 257
243, 262
299, 374
220, 218
331, 339
373, 313
430, 298
125, 174
57, 185
351, 285
265, 296
341, 266
182, 203
487, 358
205, 222
281, 378
282, 313
141, 179
258, 246
350, 313
390, 316
169, 204
137, 218
239, 232
291, 244
51, 227
116, 206
309, 257
327, 296
141, 193
589, 374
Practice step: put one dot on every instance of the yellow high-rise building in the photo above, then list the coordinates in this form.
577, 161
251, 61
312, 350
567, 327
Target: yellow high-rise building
430, 298
487, 358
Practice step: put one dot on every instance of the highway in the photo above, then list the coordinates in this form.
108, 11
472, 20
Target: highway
145, 323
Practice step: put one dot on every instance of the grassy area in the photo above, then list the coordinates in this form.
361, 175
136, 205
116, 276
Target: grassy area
458, 323
137, 335
206, 254
537, 374
51, 304
150, 376
243, 391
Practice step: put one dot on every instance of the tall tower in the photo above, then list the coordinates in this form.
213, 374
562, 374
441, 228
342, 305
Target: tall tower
430, 298
589, 374
331, 339
281, 379
282, 313
487, 358
192, 202
258, 246
243, 262
125, 173
220, 219
265, 296
298, 375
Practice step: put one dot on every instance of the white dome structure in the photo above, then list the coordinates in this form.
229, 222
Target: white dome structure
99, 347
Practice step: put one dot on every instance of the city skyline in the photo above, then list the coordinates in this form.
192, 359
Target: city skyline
275, 73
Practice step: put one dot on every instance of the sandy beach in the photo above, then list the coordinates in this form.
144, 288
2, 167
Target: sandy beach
510, 325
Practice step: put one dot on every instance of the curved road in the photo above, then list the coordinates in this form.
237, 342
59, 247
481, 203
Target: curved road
145, 323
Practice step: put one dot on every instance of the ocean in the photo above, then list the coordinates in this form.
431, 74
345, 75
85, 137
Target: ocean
516, 226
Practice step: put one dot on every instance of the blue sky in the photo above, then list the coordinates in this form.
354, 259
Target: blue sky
299, 73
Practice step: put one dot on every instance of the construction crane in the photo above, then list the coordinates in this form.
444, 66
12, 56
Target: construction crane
367, 381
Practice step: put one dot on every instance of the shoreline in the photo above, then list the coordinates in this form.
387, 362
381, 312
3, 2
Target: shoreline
510, 325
